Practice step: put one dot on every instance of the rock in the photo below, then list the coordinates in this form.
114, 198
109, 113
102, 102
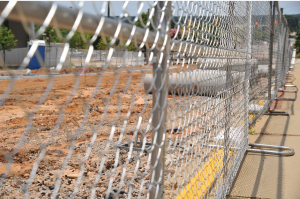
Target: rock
168, 159
110, 195
51, 187
19, 182
128, 175
3, 175
102, 189
73, 175
26, 175
119, 169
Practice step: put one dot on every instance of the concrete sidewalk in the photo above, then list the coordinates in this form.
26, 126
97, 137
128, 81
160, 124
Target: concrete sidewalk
273, 176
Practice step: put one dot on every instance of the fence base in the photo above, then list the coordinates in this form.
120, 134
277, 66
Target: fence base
288, 91
277, 113
285, 99
290, 153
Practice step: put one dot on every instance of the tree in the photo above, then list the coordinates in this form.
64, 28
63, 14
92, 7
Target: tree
7, 40
49, 34
77, 41
102, 45
297, 42
293, 22
130, 47
145, 19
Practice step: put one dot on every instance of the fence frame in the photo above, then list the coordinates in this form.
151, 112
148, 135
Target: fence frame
160, 94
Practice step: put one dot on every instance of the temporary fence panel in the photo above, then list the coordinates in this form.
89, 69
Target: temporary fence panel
269, 78
14, 57
52, 56
260, 46
278, 50
174, 127
98, 58
208, 92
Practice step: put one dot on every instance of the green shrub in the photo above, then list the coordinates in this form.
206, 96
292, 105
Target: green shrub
298, 56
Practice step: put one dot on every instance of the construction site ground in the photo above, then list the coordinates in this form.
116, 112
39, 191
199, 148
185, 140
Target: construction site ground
273, 176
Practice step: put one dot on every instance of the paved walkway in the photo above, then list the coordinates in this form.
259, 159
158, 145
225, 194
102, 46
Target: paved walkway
273, 176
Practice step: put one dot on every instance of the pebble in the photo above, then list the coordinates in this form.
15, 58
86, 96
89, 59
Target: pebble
128, 175
102, 189
19, 182
73, 175
26, 175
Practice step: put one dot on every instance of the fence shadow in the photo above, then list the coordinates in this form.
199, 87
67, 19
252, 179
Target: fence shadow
261, 163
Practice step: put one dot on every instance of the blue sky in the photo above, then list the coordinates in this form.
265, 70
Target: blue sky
289, 7
116, 6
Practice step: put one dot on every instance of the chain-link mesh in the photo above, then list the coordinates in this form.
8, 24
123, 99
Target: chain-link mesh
278, 50
260, 46
173, 122
272, 67
208, 101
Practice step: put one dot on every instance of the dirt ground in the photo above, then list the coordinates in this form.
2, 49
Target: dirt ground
108, 108
47, 71
53, 124
79, 144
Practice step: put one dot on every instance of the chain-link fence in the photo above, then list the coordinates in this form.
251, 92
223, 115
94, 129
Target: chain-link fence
175, 128
76, 58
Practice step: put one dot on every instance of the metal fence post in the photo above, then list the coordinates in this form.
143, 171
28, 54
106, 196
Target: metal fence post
70, 53
248, 74
147, 49
278, 49
160, 96
56, 57
229, 89
282, 75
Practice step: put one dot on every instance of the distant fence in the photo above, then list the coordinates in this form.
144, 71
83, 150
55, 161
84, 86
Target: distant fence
76, 57
14, 57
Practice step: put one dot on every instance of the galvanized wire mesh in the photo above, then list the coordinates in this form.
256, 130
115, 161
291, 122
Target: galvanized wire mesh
174, 126
278, 50
260, 46
270, 74
208, 103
